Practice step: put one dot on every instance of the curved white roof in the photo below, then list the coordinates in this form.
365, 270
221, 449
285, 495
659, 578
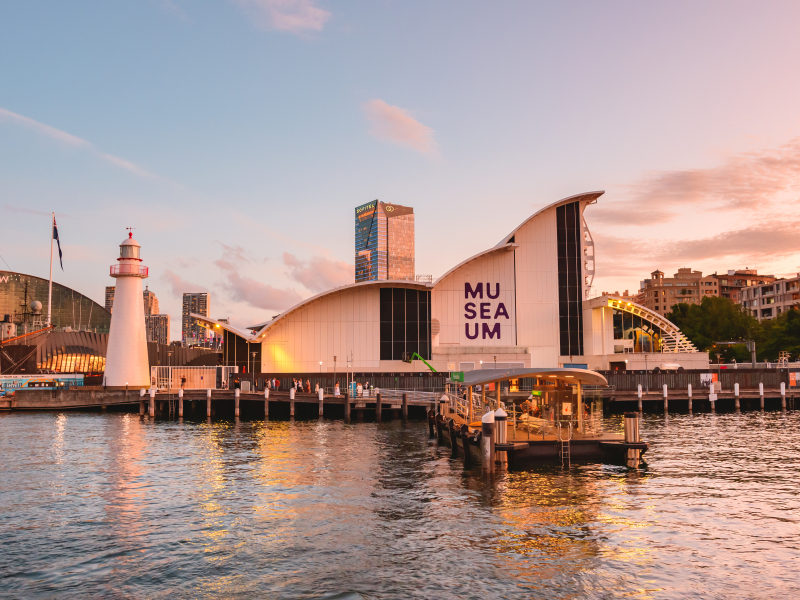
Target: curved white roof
498, 248
263, 327
588, 197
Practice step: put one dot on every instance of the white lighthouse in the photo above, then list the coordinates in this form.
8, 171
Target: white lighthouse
126, 357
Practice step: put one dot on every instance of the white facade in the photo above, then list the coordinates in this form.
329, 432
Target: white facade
126, 356
521, 304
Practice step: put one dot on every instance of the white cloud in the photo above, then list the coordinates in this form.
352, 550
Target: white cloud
394, 124
71, 140
294, 16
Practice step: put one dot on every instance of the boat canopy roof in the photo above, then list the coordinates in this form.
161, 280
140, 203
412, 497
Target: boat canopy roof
584, 376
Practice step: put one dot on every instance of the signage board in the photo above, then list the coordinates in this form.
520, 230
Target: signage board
457, 376
566, 408
712, 397
793, 379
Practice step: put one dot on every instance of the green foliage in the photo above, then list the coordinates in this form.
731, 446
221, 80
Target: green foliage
720, 320
781, 333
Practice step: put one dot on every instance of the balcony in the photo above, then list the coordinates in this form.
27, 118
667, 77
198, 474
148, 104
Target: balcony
126, 270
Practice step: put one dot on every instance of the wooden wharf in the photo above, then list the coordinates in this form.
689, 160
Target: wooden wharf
211, 403
677, 400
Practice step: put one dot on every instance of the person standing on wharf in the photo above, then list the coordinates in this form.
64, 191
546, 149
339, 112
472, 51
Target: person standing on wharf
126, 358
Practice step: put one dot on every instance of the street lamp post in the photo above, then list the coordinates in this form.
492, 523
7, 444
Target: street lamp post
647, 375
169, 373
253, 354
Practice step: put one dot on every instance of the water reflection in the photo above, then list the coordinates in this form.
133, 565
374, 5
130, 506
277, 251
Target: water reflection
101, 505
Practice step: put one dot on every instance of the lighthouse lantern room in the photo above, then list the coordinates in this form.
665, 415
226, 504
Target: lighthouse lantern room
126, 357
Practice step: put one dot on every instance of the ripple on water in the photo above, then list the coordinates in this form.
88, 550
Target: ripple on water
108, 505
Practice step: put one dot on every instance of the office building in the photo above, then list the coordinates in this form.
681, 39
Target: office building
157, 328
770, 300
522, 303
150, 302
384, 242
192, 333
109, 298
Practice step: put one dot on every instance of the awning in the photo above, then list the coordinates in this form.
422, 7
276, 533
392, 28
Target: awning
582, 376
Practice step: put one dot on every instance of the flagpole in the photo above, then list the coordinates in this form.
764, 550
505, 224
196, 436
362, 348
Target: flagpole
50, 291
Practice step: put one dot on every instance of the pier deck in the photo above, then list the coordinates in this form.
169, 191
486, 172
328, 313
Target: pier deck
76, 399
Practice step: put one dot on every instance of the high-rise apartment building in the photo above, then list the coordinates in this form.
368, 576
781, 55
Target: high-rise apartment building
384, 242
150, 302
148, 298
157, 328
660, 293
769, 300
193, 334
109, 298
730, 285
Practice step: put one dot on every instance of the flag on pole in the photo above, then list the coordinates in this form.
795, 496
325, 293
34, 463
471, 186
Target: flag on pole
55, 237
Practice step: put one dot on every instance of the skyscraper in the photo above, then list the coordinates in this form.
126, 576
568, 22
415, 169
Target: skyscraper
193, 334
157, 328
109, 297
384, 241
148, 297
150, 302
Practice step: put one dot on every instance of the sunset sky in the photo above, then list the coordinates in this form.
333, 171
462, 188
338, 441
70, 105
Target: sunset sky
237, 136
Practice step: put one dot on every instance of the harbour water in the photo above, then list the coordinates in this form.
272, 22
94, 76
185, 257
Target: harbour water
106, 505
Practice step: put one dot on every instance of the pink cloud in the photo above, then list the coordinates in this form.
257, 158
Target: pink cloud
394, 124
179, 285
758, 244
294, 16
318, 273
742, 182
253, 292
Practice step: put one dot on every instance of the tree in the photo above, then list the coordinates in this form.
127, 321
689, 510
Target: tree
717, 319
781, 334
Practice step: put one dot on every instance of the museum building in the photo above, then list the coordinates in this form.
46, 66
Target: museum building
523, 303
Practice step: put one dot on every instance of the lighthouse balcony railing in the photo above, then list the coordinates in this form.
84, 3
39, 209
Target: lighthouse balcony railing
132, 270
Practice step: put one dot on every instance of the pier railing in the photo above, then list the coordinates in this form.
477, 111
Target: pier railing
746, 378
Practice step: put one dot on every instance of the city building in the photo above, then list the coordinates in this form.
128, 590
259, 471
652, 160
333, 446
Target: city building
384, 242
769, 300
24, 299
730, 285
109, 298
660, 293
522, 303
157, 328
150, 302
192, 333
148, 298
127, 363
